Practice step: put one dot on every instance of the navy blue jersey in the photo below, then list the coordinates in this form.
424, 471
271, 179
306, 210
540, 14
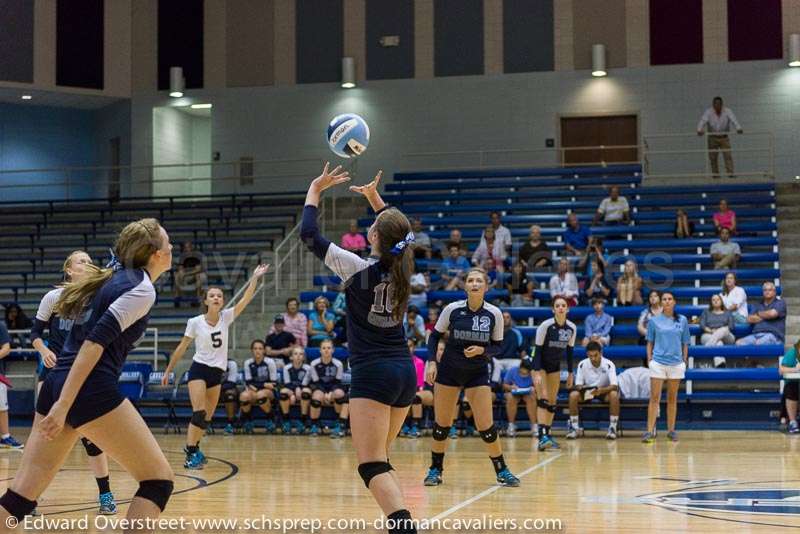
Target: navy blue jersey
296, 377
553, 342
259, 373
372, 332
329, 374
483, 328
46, 317
116, 319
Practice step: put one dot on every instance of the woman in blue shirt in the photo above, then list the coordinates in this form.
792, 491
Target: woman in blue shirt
667, 353
320, 322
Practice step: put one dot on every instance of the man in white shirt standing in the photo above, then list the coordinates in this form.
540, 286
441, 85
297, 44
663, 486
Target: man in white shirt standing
718, 120
501, 233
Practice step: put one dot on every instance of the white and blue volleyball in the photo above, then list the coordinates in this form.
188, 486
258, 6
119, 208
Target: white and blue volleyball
348, 135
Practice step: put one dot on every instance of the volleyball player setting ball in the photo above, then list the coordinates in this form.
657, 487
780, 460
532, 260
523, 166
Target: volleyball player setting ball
383, 376
555, 340
210, 361
81, 396
476, 336
74, 270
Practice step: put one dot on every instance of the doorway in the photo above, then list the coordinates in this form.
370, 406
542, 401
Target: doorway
181, 151
596, 131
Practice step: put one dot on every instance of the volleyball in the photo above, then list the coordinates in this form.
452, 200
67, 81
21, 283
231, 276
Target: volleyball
348, 135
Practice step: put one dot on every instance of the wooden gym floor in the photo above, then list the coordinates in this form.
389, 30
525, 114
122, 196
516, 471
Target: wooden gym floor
709, 481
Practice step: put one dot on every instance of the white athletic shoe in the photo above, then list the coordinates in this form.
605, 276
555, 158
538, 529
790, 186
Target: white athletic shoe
511, 431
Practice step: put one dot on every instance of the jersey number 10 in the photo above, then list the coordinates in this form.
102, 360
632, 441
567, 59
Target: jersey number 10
382, 303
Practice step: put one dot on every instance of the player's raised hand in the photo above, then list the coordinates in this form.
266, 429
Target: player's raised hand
260, 270
330, 178
369, 189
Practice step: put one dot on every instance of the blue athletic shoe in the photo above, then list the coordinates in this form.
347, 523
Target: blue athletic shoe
269, 426
193, 461
314, 430
202, 457
107, 504
248, 427
299, 427
228, 430
286, 427
794, 428
672, 436
547, 442
414, 433
210, 430
506, 478
453, 433
336, 431
404, 431
433, 478
648, 438
10, 443
469, 431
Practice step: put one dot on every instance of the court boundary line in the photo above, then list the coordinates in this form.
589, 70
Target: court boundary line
488, 491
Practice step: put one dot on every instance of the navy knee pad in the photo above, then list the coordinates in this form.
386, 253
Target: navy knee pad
305, 395
91, 448
465, 406
261, 401
229, 395
17, 505
156, 491
285, 396
417, 400
315, 403
541, 403
489, 435
440, 433
341, 401
199, 419
370, 470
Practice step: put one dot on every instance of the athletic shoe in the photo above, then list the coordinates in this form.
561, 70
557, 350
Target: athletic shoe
612, 433
210, 430
193, 461
794, 428
547, 442
107, 504
433, 478
228, 430
453, 433
404, 431
414, 433
505, 478
248, 427
286, 427
299, 427
511, 430
269, 426
10, 443
35, 512
202, 456
314, 430
672, 436
648, 438
336, 431
469, 431
572, 433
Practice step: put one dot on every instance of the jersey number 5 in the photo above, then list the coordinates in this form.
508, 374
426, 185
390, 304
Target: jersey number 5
216, 339
382, 303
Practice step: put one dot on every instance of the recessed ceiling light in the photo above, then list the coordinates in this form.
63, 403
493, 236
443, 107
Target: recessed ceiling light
26, 97
201, 106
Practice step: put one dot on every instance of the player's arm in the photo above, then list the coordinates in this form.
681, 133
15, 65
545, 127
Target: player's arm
43, 315
175, 357
370, 192
258, 272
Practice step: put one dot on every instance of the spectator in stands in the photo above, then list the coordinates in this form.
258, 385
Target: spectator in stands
535, 252
684, 228
420, 283
6, 440
454, 267
501, 233
596, 286
768, 318
354, 240
17, 320
564, 284
629, 285
598, 325
613, 209
653, 308
190, 278
339, 309
513, 346
716, 325
518, 386
576, 237
422, 241
296, 322
320, 322
519, 285
496, 274
280, 343
725, 253
456, 239
595, 252
414, 326
596, 379
490, 248
725, 218
433, 316
734, 298
716, 121
791, 390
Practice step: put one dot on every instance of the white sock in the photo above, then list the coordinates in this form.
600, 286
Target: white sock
573, 420
614, 421
535, 430
4, 436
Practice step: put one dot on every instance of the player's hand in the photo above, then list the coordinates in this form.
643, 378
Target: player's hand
369, 189
473, 350
329, 179
49, 358
537, 381
570, 380
53, 423
430, 372
165, 378
260, 270
699, 132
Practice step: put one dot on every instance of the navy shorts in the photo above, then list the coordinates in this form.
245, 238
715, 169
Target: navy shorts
448, 374
391, 381
94, 400
43, 372
551, 365
791, 389
212, 376
326, 388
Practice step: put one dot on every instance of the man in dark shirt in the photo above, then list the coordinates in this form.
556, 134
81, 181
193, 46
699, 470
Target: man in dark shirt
576, 237
280, 343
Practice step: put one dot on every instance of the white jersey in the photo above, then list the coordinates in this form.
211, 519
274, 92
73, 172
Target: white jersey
597, 377
211, 342
232, 374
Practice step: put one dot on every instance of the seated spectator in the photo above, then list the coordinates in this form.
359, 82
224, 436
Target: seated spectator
433, 316
455, 239
613, 210
296, 322
596, 286
716, 324
422, 241
501, 233
339, 309
725, 218
17, 320
564, 284
596, 379
653, 308
489, 249
734, 298
725, 253
629, 286
595, 252
518, 386
768, 318
634, 383
190, 276
576, 237
7, 441
535, 252
513, 346
495, 273
320, 322
279, 343
598, 325
420, 284
353, 240
683, 226
414, 326
520, 287
454, 268
790, 365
